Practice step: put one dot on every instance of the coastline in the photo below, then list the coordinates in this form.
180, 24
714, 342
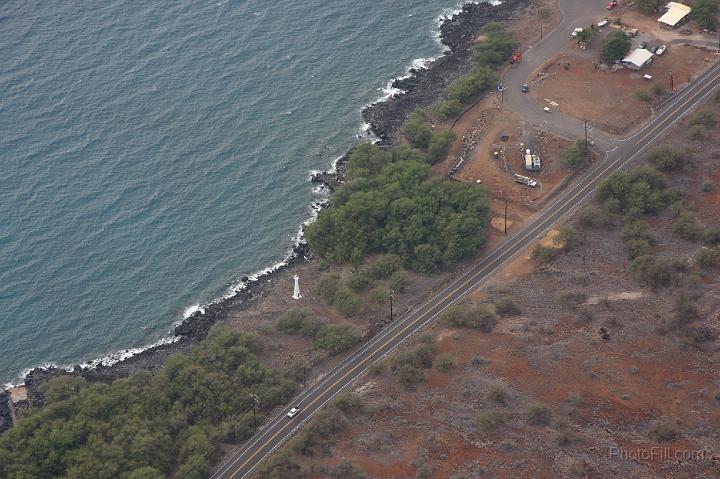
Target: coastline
420, 87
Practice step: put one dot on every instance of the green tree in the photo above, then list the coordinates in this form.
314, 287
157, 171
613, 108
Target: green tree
417, 131
649, 6
440, 144
446, 109
704, 13
667, 158
615, 47
336, 338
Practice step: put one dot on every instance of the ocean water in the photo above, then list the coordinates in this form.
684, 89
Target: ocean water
153, 153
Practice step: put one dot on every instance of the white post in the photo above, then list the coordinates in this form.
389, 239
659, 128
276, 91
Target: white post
296, 291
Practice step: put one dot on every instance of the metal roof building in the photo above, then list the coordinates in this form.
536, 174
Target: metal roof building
637, 59
676, 15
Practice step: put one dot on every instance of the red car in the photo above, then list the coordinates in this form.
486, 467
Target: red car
612, 4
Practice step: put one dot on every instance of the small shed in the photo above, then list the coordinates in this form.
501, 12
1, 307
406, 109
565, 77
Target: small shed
637, 59
676, 15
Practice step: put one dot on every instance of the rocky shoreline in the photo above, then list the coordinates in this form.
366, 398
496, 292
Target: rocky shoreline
424, 86
421, 87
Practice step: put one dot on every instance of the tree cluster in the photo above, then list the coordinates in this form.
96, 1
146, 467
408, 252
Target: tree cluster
420, 135
147, 426
705, 13
391, 205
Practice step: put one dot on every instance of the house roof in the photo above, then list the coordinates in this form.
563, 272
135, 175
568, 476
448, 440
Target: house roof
638, 57
676, 12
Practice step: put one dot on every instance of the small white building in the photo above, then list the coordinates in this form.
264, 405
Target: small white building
676, 15
637, 59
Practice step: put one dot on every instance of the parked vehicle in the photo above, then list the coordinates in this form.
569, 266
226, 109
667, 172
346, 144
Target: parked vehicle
525, 180
516, 57
612, 4
525, 88
643, 45
603, 22
660, 50
576, 31
547, 110
293, 412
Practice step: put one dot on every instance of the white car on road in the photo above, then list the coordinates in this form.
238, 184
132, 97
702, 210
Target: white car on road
293, 412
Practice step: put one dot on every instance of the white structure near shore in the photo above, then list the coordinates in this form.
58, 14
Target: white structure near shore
676, 15
296, 290
637, 59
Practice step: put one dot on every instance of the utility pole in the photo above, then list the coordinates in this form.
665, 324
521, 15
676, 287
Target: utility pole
672, 81
256, 401
586, 139
392, 296
541, 33
506, 202
304, 375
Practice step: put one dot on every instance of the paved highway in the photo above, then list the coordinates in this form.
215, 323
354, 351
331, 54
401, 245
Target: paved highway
620, 153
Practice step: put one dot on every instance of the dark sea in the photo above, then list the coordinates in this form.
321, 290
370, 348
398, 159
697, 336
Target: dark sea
153, 153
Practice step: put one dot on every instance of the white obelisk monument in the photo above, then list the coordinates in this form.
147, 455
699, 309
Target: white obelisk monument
296, 291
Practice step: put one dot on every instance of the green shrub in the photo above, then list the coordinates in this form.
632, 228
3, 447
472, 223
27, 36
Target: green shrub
280, 465
489, 420
347, 302
440, 144
575, 155
698, 133
538, 415
591, 216
634, 230
545, 254
417, 131
646, 269
708, 258
446, 109
664, 432
445, 363
497, 394
643, 95
544, 13
635, 248
707, 186
335, 338
496, 48
385, 266
687, 227
379, 295
398, 281
667, 158
480, 317
705, 118
468, 87
359, 281
410, 375
328, 287
567, 237
572, 299
299, 322
657, 88
636, 192
506, 307
712, 236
